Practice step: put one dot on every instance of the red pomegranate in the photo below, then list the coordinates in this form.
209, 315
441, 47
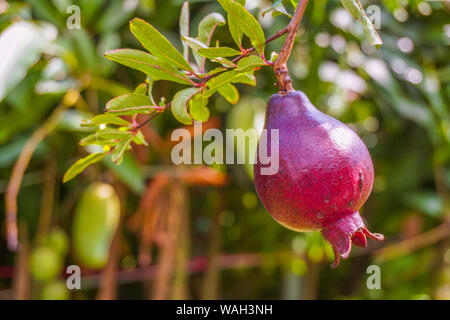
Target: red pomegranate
325, 174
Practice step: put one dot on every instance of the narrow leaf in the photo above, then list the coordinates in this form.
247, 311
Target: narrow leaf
208, 25
120, 148
104, 137
355, 8
249, 63
82, 164
196, 45
180, 104
247, 23
157, 44
245, 78
184, 27
230, 93
222, 79
131, 103
145, 62
198, 108
212, 53
104, 119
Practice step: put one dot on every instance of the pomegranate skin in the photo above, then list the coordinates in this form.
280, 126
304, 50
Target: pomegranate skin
325, 174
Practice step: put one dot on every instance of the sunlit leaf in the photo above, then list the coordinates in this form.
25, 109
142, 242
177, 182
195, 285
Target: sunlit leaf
184, 27
104, 119
222, 79
355, 8
145, 62
105, 137
212, 53
120, 148
180, 105
198, 108
230, 93
196, 45
208, 25
250, 63
131, 103
157, 44
247, 23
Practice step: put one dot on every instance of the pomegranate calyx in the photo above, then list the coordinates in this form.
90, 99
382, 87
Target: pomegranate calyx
341, 232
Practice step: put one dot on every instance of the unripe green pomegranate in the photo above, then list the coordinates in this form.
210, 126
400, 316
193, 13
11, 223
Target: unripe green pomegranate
55, 290
45, 264
58, 240
95, 223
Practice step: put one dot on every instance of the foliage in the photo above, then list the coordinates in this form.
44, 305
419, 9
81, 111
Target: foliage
396, 98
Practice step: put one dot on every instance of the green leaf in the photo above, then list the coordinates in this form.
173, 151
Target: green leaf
222, 79
247, 23
277, 9
145, 62
184, 27
208, 25
196, 45
212, 53
371, 33
104, 119
130, 103
105, 137
246, 78
157, 44
140, 139
82, 164
142, 88
120, 148
235, 30
355, 8
249, 63
233, 26
198, 108
230, 93
180, 103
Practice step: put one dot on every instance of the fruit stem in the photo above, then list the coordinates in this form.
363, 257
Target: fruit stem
280, 66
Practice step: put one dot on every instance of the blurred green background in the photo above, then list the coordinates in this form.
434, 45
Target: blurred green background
195, 232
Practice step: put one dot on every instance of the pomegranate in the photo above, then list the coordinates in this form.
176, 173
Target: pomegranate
325, 174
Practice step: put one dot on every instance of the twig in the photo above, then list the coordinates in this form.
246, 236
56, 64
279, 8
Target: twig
279, 66
22, 162
409, 245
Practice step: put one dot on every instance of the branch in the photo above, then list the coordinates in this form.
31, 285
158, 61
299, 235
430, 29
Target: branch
279, 66
22, 162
